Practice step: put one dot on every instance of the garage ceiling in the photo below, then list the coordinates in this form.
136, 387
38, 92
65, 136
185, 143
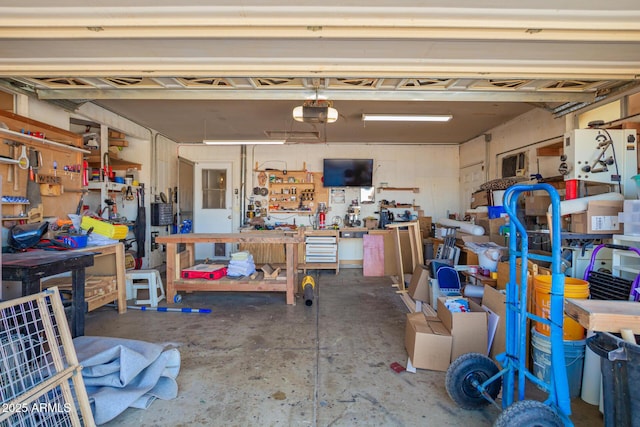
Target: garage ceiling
235, 69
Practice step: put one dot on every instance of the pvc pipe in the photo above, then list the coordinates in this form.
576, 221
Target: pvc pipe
181, 310
628, 336
465, 227
307, 287
308, 295
591, 376
580, 205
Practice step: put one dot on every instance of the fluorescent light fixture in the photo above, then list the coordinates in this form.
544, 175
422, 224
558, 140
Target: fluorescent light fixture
406, 117
256, 142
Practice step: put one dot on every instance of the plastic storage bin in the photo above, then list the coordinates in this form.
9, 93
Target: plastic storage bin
620, 366
573, 357
74, 241
496, 211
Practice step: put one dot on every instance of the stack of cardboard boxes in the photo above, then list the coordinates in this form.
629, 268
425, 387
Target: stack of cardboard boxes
433, 342
492, 226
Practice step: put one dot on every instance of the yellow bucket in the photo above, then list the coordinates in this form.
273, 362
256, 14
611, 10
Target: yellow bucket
573, 288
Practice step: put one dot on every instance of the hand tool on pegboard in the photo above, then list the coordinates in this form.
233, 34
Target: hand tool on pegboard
140, 228
33, 188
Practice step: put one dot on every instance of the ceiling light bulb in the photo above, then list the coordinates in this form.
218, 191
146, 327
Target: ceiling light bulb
297, 114
332, 115
315, 114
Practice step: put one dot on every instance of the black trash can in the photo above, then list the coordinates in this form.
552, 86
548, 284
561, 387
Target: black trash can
620, 365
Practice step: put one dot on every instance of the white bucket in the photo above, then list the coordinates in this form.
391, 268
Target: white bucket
498, 195
489, 258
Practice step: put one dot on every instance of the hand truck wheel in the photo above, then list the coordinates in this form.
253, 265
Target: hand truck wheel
529, 413
465, 376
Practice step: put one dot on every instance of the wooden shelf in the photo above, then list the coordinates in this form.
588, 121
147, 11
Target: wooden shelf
53, 136
289, 184
34, 142
14, 218
290, 212
553, 150
399, 207
309, 192
109, 186
413, 189
118, 165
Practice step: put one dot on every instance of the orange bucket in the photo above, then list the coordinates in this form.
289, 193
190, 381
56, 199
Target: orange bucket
573, 288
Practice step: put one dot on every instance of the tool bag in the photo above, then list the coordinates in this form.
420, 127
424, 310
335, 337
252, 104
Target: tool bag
25, 236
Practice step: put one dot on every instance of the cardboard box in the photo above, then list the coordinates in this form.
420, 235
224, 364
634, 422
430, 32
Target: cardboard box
468, 330
601, 217
492, 229
495, 301
475, 215
503, 275
533, 269
480, 198
492, 226
425, 226
471, 238
419, 286
536, 205
428, 342
370, 224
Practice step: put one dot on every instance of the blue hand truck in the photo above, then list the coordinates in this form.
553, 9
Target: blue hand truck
473, 380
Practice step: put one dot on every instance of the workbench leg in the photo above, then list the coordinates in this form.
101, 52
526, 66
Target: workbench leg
291, 255
30, 287
121, 280
171, 271
78, 303
191, 248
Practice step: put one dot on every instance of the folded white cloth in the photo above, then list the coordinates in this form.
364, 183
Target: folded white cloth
236, 270
240, 256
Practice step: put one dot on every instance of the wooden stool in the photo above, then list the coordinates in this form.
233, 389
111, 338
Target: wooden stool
154, 283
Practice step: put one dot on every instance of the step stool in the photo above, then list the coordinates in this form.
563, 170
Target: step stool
153, 284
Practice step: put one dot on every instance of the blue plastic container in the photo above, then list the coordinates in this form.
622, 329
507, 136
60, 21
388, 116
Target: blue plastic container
496, 211
74, 241
573, 356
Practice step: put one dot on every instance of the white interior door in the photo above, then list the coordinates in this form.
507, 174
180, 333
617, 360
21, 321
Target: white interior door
212, 203
471, 177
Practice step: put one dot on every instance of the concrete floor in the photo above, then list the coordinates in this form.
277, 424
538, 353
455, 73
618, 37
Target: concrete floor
254, 361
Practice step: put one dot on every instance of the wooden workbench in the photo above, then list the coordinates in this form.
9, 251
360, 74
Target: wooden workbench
109, 265
176, 283
30, 267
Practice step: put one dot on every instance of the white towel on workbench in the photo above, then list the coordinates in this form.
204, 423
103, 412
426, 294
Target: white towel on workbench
241, 256
244, 267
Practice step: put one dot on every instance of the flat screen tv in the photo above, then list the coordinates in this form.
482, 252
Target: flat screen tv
348, 172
